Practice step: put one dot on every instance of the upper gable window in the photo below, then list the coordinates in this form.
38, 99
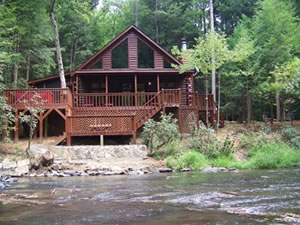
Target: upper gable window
98, 65
167, 64
120, 55
145, 55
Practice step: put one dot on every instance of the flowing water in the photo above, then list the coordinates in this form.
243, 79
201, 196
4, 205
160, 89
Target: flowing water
247, 197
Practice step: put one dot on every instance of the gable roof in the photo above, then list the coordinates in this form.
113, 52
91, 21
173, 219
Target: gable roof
117, 39
121, 36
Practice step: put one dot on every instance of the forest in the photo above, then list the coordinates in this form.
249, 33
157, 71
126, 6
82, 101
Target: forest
257, 44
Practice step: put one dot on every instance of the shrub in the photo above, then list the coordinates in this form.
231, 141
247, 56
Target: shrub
156, 134
190, 159
204, 141
174, 148
288, 133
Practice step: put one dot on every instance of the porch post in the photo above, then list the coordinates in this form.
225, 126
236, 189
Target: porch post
135, 89
41, 126
17, 127
106, 90
157, 83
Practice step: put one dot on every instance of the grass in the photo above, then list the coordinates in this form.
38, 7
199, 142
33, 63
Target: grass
267, 156
189, 159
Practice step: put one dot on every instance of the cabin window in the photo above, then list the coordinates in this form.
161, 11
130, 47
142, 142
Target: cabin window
145, 55
120, 55
98, 65
167, 64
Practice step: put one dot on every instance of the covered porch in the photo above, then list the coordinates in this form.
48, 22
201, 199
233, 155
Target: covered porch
126, 90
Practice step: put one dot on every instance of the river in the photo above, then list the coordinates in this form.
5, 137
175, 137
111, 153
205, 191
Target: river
246, 197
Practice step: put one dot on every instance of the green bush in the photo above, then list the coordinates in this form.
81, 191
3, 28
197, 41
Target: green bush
156, 134
190, 159
174, 148
272, 155
288, 132
204, 141
291, 136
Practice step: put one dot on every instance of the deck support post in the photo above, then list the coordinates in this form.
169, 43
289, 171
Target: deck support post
157, 83
17, 127
101, 140
134, 129
106, 89
46, 127
68, 139
68, 125
135, 90
179, 120
41, 126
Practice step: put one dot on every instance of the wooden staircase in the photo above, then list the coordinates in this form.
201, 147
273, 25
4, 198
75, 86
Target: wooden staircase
152, 107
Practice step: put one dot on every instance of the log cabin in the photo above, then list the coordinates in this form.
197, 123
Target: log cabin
127, 82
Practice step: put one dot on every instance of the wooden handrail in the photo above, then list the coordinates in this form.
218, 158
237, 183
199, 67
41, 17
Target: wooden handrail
51, 97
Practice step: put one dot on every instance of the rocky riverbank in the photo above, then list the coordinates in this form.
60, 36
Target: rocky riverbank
53, 161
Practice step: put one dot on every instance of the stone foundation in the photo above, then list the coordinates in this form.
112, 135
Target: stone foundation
92, 152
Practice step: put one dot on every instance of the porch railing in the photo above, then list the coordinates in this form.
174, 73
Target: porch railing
166, 97
49, 97
113, 99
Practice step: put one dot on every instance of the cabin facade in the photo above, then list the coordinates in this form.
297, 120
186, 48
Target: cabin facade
115, 92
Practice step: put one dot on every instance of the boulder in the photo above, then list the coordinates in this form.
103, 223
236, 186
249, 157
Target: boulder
165, 170
7, 164
47, 159
24, 162
21, 170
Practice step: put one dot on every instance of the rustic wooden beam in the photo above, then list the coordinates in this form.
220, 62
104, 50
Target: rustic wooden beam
16, 126
157, 82
60, 113
106, 89
41, 126
135, 89
47, 113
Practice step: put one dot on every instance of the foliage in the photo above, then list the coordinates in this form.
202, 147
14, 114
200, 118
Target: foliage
189, 159
272, 155
158, 133
33, 106
201, 54
291, 136
7, 117
204, 141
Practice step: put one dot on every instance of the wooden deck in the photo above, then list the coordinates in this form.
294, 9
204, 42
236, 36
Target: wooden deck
92, 114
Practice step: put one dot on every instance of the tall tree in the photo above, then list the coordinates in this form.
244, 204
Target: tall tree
58, 49
277, 40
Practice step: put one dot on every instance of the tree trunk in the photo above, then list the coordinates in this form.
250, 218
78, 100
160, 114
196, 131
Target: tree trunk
249, 109
206, 101
271, 110
203, 17
71, 54
156, 22
28, 67
213, 60
278, 107
15, 75
136, 22
58, 49
219, 101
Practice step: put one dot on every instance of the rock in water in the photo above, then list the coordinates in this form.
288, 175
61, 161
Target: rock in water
47, 159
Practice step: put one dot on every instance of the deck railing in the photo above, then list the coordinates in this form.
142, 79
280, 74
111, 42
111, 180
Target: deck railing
49, 97
113, 99
58, 97
167, 97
